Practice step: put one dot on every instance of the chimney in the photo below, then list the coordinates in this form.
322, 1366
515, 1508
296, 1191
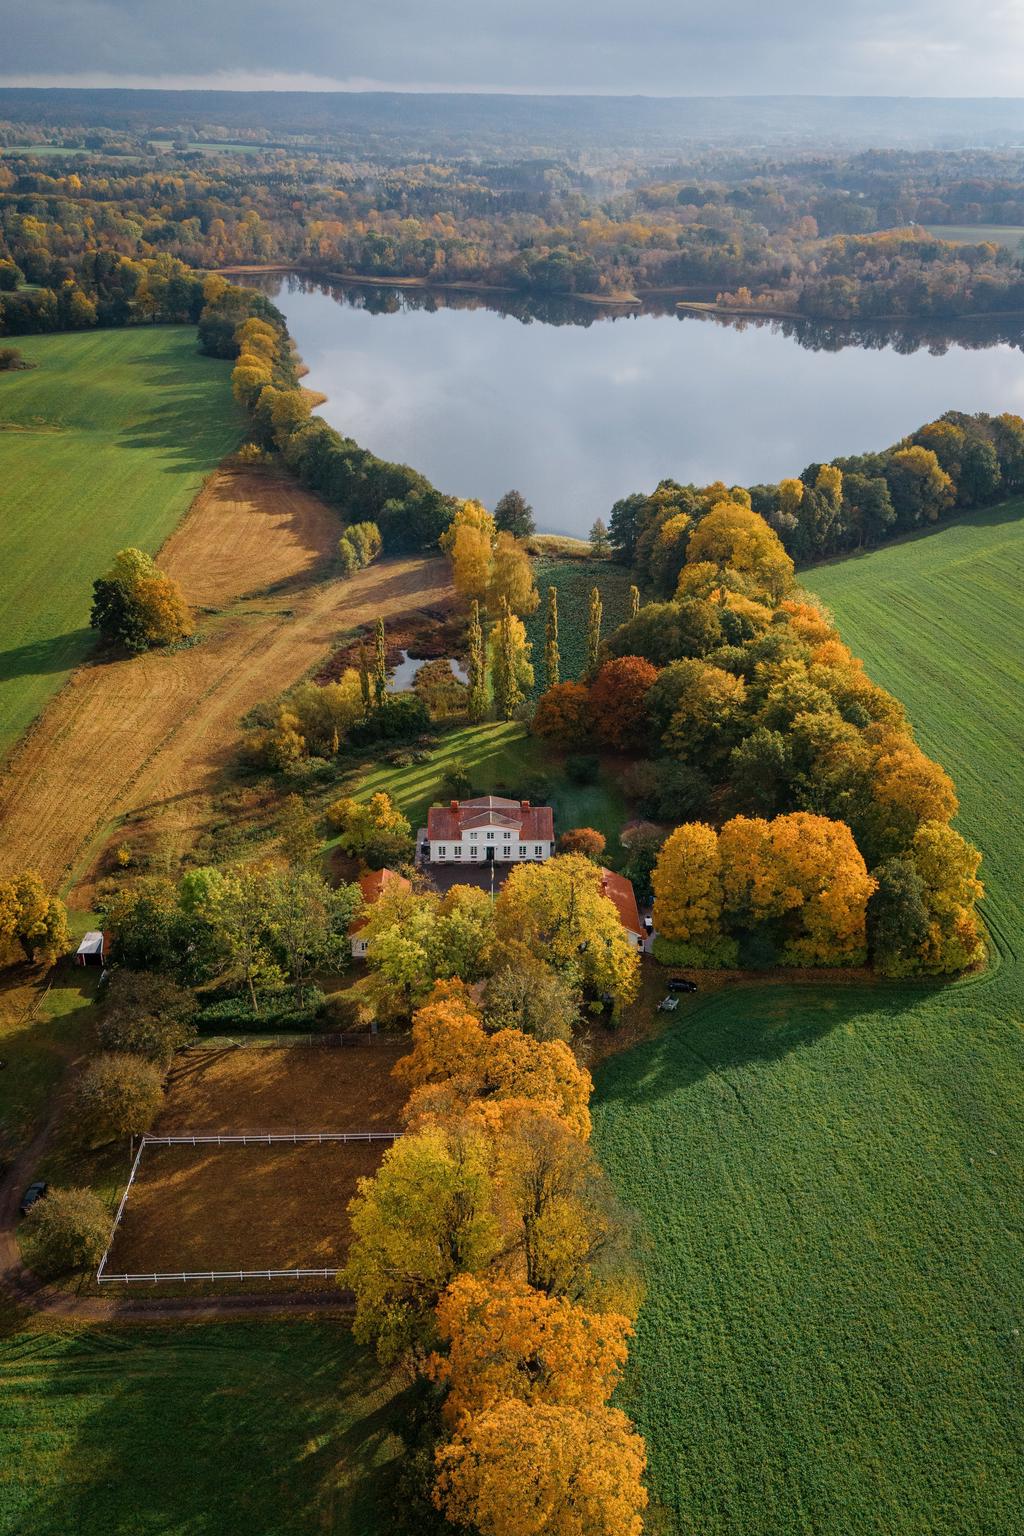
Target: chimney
524, 805
454, 805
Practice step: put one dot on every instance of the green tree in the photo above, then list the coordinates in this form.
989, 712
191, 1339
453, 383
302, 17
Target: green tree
514, 515
300, 841
477, 665
143, 1014
600, 546
116, 1095
66, 1230
380, 670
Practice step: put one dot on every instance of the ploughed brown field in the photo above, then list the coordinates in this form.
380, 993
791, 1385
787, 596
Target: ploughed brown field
150, 737
257, 1207
297, 1088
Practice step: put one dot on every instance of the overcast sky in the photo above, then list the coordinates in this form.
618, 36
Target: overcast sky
652, 47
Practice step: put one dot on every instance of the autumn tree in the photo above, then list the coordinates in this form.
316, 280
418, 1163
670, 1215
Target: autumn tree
687, 883
707, 710
525, 993
585, 840
67, 1230
519, 1469
373, 830
425, 1217
563, 715
300, 841
552, 656
514, 515
380, 663
510, 662
116, 1095
506, 1340
558, 908
634, 602
733, 537
948, 867
511, 577
137, 606
618, 697
448, 1040
33, 924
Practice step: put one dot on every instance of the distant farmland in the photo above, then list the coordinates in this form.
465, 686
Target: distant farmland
830, 1177
1009, 235
104, 443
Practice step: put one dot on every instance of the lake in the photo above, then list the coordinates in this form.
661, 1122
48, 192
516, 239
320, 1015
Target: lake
576, 407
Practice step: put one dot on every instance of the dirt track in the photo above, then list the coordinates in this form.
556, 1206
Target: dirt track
151, 736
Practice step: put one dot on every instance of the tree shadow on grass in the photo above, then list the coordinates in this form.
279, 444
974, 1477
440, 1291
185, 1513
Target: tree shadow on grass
186, 431
39, 658
745, 1025
214, 1429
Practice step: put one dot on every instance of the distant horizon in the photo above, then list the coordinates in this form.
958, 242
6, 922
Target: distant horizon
216, 85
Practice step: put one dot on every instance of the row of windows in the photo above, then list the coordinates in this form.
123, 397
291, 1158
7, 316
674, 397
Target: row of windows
522, 851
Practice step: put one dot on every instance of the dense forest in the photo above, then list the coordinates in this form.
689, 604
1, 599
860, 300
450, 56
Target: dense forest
841, 235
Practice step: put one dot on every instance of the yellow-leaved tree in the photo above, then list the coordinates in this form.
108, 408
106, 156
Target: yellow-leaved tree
558, 909
506, 1340
687, 884
733, 537
526, 1469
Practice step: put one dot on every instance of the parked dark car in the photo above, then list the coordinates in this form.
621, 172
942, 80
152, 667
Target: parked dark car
681, 984
34, 1192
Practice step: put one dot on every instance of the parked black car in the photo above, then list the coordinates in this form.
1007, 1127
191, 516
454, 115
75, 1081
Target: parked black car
34, 1192
681, 984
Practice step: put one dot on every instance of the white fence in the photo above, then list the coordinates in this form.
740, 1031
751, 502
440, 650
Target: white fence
240, 1139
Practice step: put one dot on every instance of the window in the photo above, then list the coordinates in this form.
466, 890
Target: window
457, 851
442, 851
538, 849
490, 837
473, 836
507, 836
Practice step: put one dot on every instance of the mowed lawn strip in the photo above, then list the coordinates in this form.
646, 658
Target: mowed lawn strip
830, 1178
103, 443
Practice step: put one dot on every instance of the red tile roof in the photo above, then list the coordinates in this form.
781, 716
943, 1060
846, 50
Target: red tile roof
373, 885
620, 892
448, 823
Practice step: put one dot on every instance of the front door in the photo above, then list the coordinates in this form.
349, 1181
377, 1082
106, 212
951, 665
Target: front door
490, 855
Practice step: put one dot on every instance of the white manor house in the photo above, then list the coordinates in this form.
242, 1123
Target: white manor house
488, 830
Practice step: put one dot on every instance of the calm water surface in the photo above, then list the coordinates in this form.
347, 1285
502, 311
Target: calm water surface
580, 412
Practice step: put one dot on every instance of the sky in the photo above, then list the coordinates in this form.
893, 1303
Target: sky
618, 47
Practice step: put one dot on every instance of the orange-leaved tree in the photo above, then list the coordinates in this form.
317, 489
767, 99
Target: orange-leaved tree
617, 697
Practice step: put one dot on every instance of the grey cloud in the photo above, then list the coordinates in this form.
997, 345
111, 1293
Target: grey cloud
650, 46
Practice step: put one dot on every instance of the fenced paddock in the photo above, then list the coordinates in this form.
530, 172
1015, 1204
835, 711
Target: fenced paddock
238, 1205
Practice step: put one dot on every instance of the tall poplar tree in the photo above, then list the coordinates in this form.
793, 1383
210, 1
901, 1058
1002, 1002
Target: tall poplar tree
380, 671
594, 632
634, 602
552, 658
477, 666
364, 676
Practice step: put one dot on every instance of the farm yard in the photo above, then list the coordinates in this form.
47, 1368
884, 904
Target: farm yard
830, 1178
105, 442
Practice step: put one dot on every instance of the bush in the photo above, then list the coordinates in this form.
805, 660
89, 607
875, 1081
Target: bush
146, 1015
236, 1013
400, 718
116, 1095
585, 840
66, 1230
713, 955
582, 768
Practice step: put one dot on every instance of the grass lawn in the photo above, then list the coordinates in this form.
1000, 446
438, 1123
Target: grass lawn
104, 443
575, 580
830, 1179
202, 1430
502, 759
40, 1031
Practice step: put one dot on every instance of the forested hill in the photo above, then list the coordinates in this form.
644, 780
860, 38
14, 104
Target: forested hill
364, 121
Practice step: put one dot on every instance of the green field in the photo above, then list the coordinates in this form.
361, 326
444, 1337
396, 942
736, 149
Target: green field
104, 443
212, 1430
1009, 235
575, 579
830, 1178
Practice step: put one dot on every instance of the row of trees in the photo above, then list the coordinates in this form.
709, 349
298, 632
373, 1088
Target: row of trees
956, 463
490, 1253
740, 699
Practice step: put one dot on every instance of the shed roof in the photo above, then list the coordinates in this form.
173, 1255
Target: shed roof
373, 885
621, 894
92, 944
